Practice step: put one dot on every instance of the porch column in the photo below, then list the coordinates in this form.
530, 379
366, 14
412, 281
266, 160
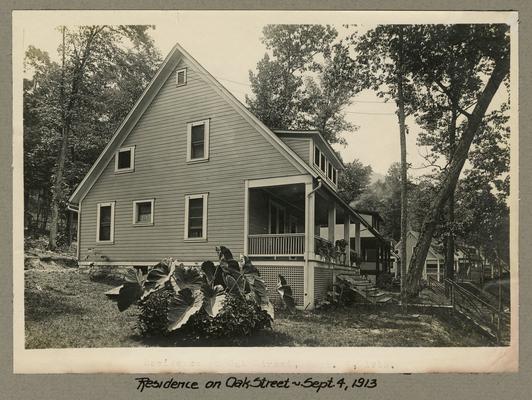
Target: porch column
438, 264
347, 233
357, 238
246, 216
331, 224
310, 205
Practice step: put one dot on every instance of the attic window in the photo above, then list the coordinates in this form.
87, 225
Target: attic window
125, 159
335, 176
323, 162
181, 77
329, 171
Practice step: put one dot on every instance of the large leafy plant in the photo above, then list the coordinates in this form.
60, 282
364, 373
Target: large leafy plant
197, 289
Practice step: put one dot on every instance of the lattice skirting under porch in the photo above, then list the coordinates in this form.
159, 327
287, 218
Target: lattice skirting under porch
294, 276
323, 280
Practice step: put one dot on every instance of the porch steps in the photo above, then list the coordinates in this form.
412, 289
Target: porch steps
366, 289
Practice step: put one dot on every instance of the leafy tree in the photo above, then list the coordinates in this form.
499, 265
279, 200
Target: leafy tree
354, 180
72, 108
381, 66
304, 81
484, 52
449, 90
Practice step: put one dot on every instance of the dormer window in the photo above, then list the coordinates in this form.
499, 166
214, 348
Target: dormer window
181, 77
198, 141
125, 160
317, 154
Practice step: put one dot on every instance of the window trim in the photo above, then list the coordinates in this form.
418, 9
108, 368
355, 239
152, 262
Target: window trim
184, 70
206, 132
189, 197
112, 230
131, 168
135, 212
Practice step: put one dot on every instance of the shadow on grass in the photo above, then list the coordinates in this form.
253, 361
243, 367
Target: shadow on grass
262, 338
41, 306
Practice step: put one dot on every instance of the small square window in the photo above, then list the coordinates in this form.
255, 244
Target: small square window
143, 212
181, 77
125, 159
198, 141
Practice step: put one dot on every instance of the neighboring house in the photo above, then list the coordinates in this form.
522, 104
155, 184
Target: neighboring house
467, 260
372, 249
190, 168
434, 262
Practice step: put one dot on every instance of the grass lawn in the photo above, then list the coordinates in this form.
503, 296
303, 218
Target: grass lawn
64, 308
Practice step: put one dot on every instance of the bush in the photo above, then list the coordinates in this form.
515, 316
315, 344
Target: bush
228, 299
239, 317
152, 319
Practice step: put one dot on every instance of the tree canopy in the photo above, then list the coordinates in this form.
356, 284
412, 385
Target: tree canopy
82, 97
304, 80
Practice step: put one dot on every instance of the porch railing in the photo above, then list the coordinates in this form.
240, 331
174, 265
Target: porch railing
283, 244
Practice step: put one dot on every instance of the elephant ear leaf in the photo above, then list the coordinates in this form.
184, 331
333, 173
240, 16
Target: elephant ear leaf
212, 273
247, 266
285, 291
224, 253
159, 275
187, 278
235, 285
268, 307
131, 290
182, 307
213, 299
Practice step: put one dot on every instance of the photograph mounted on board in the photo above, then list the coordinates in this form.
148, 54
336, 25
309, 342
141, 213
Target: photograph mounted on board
322, 180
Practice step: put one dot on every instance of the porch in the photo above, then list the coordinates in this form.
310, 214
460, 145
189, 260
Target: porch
291, 229
299, 221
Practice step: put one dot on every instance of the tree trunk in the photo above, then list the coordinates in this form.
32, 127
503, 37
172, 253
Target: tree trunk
402, 135
448, 185
58, 193
449, 245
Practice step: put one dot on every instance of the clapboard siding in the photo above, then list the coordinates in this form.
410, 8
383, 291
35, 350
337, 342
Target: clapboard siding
237, 152
301, 146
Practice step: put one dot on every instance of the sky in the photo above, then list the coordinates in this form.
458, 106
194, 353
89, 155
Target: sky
228, 45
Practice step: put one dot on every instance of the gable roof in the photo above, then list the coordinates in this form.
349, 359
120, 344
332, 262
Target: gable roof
165, 70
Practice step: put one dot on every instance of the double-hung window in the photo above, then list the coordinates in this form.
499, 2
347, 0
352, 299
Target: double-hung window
317, 154
196, 217
198, 140
181, 77
125, 159
143, 212
105, 221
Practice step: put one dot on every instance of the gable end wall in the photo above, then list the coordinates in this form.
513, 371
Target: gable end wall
237, 152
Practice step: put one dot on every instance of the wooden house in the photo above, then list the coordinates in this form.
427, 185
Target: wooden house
190, 168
